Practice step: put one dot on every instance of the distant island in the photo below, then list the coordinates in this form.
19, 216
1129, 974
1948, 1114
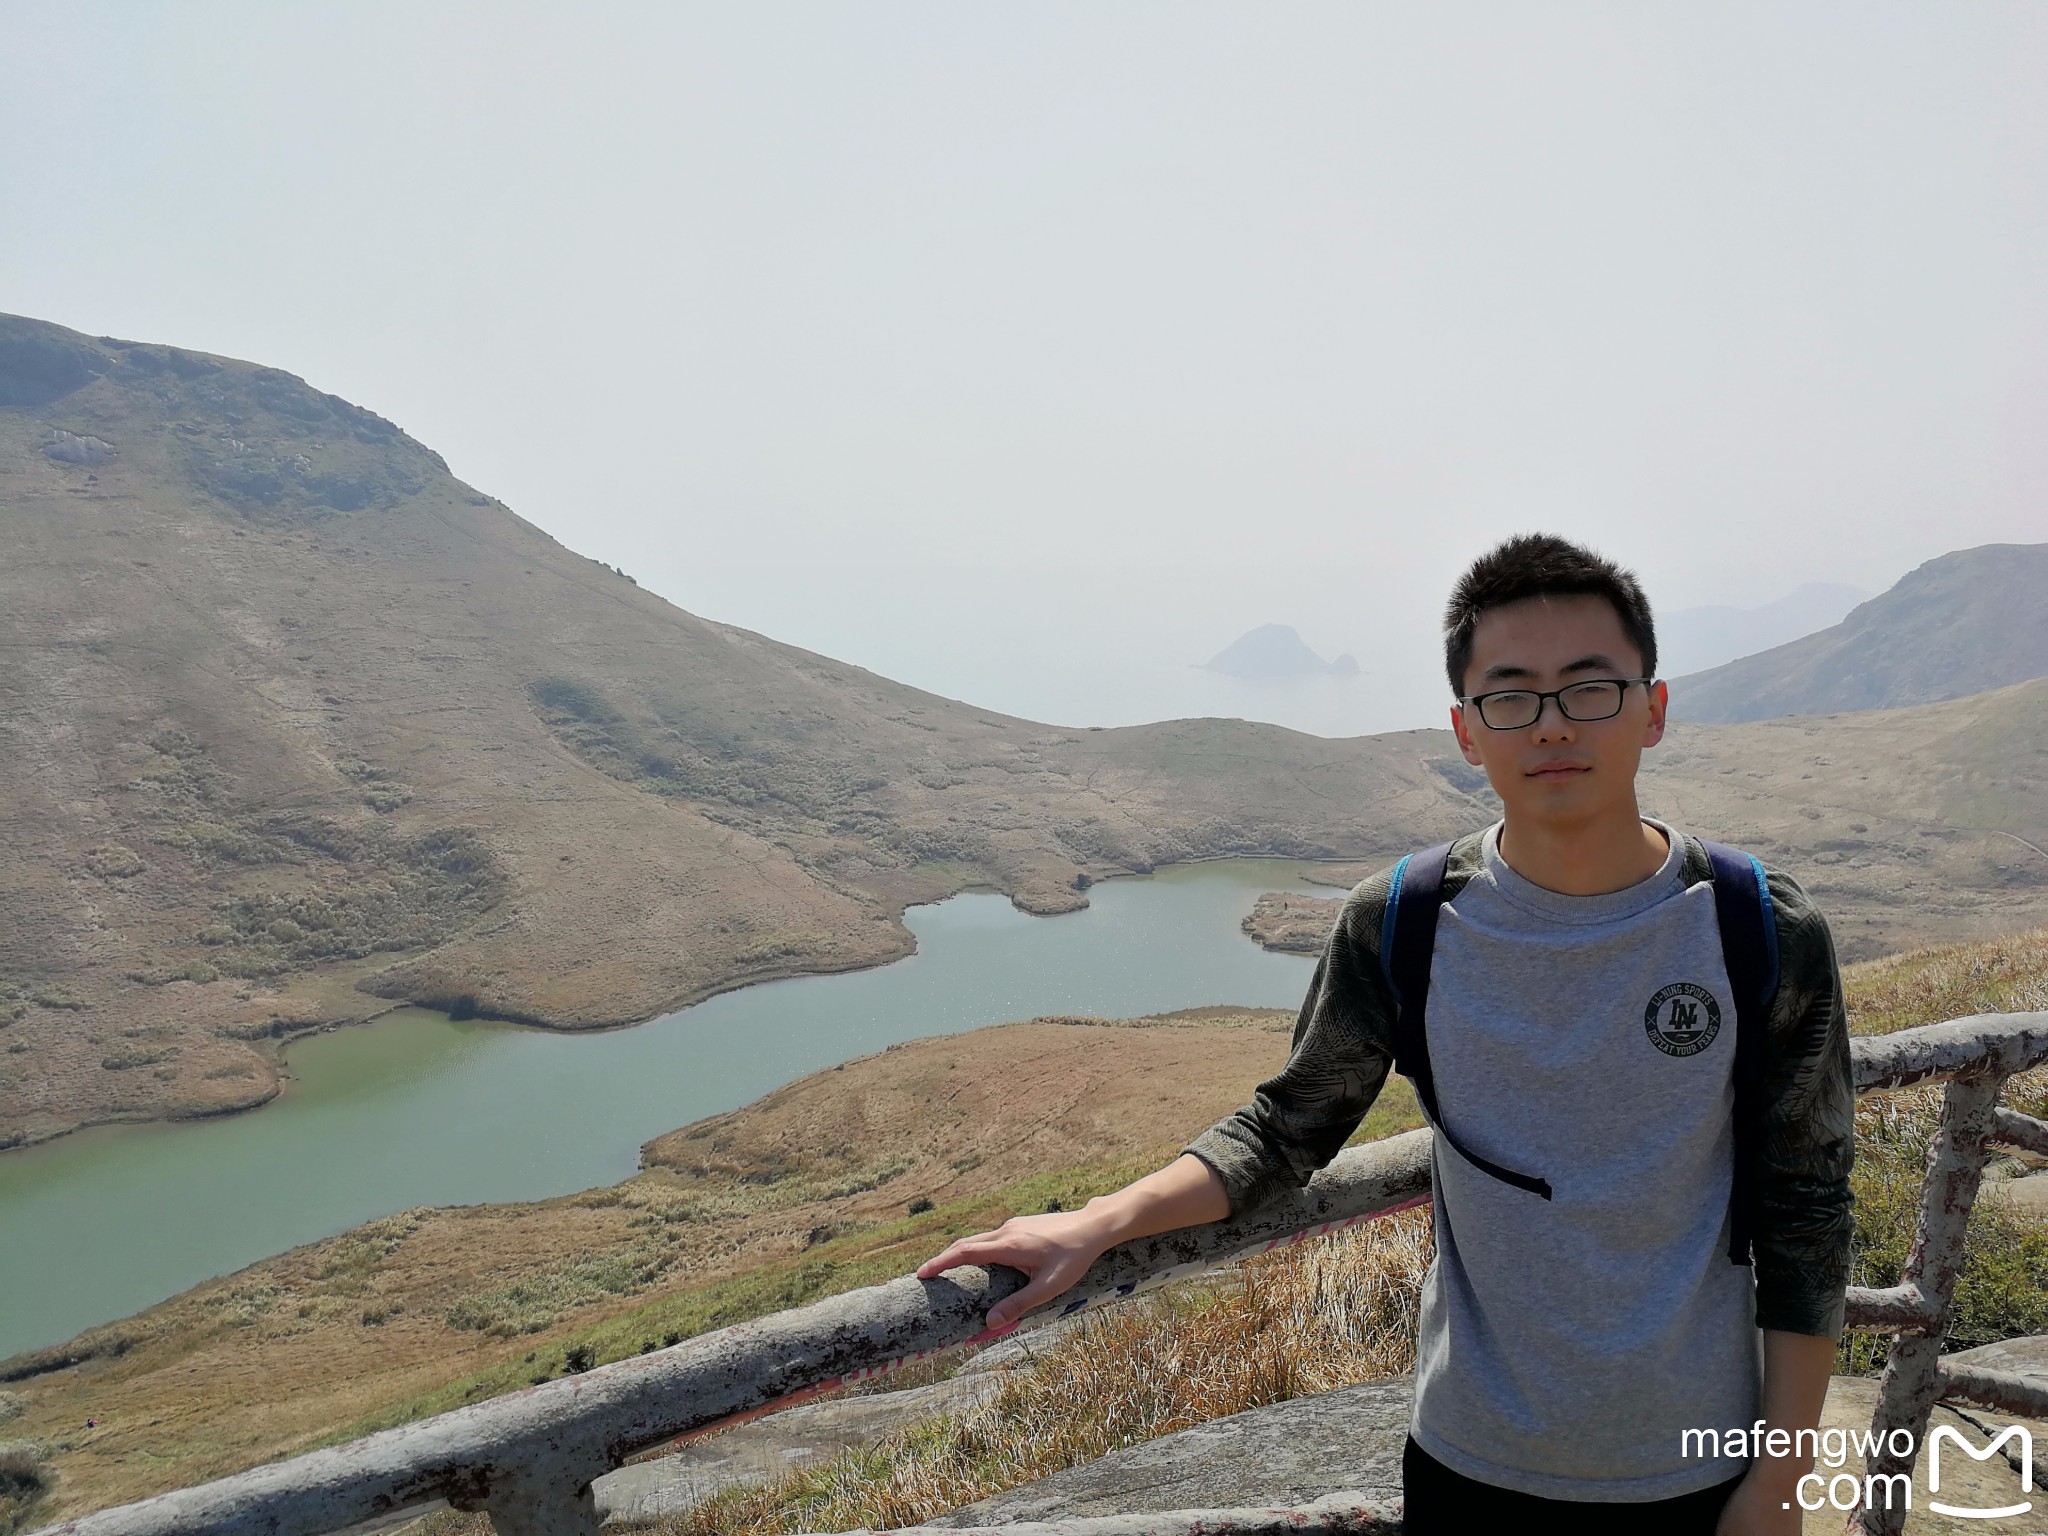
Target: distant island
1274, 652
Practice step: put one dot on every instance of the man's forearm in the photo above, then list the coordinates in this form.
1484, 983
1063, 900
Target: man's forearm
1796, 1371
1185, 1193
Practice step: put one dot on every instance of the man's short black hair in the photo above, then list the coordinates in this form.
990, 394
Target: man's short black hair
1542, 565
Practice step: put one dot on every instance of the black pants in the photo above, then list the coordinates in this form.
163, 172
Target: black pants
1440, 1502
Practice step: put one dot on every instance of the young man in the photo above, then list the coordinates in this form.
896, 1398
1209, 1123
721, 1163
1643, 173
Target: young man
1585, 1312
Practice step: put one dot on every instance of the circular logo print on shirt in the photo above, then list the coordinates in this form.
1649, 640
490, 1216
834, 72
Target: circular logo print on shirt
1682, 1019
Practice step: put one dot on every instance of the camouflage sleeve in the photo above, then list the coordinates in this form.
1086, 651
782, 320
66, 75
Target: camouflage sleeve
1803, 1222
1343, 1046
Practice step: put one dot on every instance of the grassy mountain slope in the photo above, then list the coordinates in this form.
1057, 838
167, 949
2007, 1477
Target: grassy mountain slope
295, 722
1967, 622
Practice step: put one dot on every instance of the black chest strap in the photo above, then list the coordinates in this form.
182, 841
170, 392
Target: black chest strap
1407, 945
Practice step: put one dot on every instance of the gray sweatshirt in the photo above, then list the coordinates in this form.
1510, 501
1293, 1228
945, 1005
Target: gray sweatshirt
1566, 1345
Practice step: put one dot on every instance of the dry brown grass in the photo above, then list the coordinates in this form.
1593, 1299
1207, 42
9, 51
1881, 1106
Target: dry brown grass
1308, 1318
1948, 981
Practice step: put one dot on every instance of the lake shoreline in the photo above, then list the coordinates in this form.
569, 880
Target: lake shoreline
417, 1109
324, 1371
277, 1045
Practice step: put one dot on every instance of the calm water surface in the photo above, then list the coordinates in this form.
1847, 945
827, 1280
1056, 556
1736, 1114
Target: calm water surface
417, 1109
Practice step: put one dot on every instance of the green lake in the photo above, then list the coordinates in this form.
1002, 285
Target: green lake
417, 1109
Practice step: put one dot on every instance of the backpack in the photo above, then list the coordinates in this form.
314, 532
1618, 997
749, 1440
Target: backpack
1749, 950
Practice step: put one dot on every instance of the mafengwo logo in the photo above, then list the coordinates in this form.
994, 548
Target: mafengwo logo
2022, 1462
1832, 1486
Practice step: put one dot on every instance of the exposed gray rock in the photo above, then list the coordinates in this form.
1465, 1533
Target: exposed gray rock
778, 1443
775, 1445
1021, 1347
2026, 1196
70, 448
1343, 1442
2023, 1357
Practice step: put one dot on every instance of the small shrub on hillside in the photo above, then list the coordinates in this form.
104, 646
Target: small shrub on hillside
128, 1061
406, 894
270, 1029
23, 1482
532, 1304
367, 889
111, 861
20, 1461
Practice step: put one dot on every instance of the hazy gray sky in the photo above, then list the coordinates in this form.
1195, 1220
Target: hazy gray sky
1032, 352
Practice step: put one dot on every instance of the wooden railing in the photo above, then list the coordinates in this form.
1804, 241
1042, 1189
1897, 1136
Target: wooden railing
529, 1458
1976, 1056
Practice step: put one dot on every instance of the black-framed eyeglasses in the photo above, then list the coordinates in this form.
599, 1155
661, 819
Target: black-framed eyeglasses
1513, 709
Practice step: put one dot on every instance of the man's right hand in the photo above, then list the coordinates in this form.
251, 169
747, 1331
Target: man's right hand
1053, 1250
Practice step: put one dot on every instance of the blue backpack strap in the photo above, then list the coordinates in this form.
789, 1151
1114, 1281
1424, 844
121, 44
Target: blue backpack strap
1407, 946
1749, 951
